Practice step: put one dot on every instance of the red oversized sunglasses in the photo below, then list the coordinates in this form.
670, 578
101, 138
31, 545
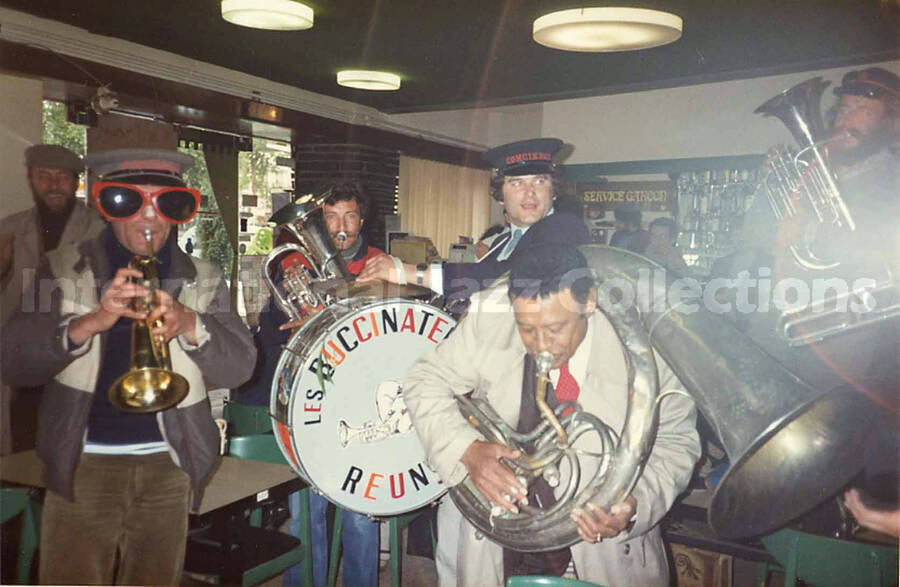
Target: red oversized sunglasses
122, 201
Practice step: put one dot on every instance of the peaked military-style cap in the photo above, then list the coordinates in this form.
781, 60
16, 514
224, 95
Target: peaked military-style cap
873, 82
140, 166
531, 157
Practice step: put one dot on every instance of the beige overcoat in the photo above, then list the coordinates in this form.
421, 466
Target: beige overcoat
485, 353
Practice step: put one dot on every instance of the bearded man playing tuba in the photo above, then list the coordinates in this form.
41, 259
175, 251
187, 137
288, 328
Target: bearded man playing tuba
548, 305
860, 355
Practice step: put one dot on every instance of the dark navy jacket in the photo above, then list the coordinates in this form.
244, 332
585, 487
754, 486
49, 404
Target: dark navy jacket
461, 280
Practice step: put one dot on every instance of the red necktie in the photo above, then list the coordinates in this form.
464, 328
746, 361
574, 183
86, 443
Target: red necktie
566, 388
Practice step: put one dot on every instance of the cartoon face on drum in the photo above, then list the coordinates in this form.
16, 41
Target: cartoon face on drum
393, 418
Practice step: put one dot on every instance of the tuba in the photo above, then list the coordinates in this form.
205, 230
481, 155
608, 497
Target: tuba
305, 220
807, 174
789, 178
150, 385
790, 446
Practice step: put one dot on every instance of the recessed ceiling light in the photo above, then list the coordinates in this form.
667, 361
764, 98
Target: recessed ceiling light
606, 29
368, 80
275, 15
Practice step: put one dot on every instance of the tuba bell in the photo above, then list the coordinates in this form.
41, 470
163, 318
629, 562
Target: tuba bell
790, 446
150, 385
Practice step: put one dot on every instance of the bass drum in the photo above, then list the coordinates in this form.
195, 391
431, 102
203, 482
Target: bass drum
339, 417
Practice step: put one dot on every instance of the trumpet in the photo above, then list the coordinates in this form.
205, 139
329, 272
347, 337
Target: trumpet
150, 385
368, 432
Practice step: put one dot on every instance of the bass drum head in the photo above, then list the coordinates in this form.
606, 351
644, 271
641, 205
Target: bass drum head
340, 419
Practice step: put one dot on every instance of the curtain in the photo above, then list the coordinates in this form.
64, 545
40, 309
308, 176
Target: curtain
443, 201
222, 165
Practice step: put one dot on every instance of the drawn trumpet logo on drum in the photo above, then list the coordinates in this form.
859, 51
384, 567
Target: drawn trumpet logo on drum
393, 418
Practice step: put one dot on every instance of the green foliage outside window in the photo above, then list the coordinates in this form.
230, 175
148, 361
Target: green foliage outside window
256, 170
59, 131
212, 238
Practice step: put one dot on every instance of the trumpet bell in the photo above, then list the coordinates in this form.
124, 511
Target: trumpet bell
148, 390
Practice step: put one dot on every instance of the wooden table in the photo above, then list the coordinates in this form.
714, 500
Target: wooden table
235, 481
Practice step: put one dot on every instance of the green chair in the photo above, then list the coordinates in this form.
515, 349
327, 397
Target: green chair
249, 546
262, 447
245, 420
24, 502
825, 562
396, 524
536, 581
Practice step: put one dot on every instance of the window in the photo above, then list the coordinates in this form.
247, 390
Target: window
59, 131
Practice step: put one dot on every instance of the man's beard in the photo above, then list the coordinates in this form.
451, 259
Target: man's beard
865, 147
44, 208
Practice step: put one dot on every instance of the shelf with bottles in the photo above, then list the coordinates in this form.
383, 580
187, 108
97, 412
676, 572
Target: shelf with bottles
711, 205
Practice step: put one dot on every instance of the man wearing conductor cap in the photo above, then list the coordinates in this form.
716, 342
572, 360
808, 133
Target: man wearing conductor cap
525, 181
862, 152
119, 481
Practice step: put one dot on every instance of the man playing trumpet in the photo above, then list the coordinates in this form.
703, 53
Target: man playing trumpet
118, 483
542, 309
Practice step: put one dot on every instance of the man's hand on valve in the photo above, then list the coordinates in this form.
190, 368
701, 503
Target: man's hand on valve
491, 477
115, 303
177, 318
295, 325
596, 523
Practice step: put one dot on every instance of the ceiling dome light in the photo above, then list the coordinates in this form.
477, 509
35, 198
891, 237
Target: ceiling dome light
274, 15
368, 80
599, 30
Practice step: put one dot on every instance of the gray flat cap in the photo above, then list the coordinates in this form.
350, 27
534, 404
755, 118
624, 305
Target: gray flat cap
53, 157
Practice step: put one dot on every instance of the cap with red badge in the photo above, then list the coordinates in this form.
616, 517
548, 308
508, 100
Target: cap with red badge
873, 82
531, 157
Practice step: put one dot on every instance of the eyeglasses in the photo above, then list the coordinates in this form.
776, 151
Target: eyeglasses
122, 201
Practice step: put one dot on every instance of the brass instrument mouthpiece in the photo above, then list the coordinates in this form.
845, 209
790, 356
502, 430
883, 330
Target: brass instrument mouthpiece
543, 360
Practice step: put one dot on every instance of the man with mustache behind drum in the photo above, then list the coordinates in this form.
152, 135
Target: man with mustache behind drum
549, 304
344, 212
119, 483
